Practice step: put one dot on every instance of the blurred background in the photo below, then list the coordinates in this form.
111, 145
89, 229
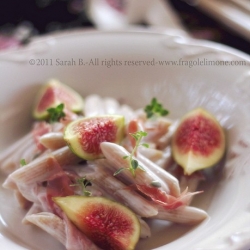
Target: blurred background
21, 20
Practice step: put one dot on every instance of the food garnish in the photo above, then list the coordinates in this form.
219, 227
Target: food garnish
155, 109
55, 114
23, 162
133, 163
83, 183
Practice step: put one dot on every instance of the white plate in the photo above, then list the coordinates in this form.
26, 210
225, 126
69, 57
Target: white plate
223, 90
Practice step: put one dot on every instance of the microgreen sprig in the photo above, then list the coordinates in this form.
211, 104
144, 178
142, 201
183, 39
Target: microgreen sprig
155, 109
133, 163
55, 114
23, 162
83, 183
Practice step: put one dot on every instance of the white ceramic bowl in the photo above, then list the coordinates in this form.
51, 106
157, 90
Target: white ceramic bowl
223, 90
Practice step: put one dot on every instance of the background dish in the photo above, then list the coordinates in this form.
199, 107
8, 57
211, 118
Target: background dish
233, 14
223, 90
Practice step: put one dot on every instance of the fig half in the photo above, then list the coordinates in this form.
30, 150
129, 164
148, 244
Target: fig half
198, 142
110, 225
84, 135
54, 93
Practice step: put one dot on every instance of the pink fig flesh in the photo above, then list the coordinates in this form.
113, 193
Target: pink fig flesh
85, 135
198, 142
110, 225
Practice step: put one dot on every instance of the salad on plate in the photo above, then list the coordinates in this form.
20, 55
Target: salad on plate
93, 172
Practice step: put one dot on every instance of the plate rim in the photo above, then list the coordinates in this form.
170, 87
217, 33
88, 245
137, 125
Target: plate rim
136, 31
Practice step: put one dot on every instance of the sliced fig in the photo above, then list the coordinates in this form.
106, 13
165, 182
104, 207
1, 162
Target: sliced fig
110, 225
54, 93
85, 135
198, 142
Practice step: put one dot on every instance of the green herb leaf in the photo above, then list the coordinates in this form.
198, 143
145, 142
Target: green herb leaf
87, 193
134, 136
142, 168
156, 184
145, 145
23, 162
134, 164
83, 183
155, 109
55, 114
118, 171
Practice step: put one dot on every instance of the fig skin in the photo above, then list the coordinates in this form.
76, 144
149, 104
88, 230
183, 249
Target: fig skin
54, 93
110, 225
198, 142
85, 141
